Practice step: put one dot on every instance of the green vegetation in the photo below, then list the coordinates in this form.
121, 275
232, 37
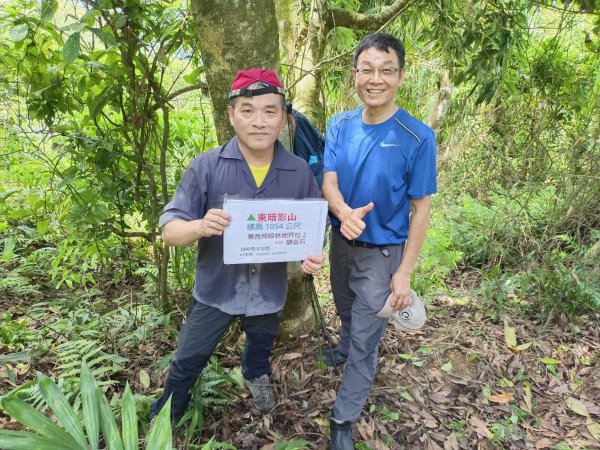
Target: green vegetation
103, 105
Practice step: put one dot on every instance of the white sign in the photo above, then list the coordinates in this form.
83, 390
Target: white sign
273, 230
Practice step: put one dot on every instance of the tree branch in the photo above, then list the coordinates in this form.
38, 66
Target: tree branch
191, 87
338, 17
150, 237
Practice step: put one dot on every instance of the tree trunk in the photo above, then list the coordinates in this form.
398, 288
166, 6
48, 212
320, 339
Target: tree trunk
298, 316
234, 35
306, 61
443, 99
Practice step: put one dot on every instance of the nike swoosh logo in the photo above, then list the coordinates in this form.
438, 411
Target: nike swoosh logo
383, 144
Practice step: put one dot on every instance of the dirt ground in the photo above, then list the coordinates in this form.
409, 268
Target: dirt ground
455, 384
452, 385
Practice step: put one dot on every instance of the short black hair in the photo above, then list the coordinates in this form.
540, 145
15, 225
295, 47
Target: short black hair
383, 42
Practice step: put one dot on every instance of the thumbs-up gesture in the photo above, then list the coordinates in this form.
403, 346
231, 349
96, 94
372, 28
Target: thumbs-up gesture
352, 223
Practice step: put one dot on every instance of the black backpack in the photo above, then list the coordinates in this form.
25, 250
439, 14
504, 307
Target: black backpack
308, 143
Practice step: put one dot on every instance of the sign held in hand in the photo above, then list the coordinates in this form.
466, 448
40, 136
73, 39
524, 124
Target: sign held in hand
273, 230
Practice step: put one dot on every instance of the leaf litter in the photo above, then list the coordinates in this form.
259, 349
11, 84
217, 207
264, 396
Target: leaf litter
467, 380
470, 388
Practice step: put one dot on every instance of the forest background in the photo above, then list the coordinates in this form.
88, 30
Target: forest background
105, 102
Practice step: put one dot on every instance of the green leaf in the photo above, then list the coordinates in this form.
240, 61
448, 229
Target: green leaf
108, 423
19, 32
129, 425
21, 440
91, 414
48, 9
447, 367
89, 18
550, 361
194, 75
9, 246
71, 49
161, 436
105, 36
20, 213
406, 396
18, 356
119, 20
99, 101
27, 415
42, 226
60, 407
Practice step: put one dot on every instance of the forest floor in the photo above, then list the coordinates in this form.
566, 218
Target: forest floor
455, 384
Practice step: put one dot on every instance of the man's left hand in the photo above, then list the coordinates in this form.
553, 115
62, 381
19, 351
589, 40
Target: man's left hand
400, 286
313, 263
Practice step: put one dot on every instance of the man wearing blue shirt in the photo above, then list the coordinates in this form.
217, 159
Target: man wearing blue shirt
252, 165
379, 174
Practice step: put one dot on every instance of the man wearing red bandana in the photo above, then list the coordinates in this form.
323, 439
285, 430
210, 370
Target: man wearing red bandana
253, 165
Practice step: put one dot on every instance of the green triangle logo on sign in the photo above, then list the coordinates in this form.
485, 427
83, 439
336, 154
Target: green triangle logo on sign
251, 218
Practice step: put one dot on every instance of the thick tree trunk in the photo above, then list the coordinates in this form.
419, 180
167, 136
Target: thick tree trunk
234, 35
298, 316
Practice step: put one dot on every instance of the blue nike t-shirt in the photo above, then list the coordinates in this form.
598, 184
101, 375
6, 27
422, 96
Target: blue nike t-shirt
388, 164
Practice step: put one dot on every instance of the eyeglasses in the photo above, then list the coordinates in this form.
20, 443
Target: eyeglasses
386, 72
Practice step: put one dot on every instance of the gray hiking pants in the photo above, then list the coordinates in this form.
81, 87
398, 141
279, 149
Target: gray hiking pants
360, 281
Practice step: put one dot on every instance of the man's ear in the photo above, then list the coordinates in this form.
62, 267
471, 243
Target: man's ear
402, 74
230, 114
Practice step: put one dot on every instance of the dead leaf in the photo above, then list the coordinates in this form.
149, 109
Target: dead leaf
544, 443
144, 378
364, 430
480, 427
291, 356
431, 424
432, 445
504, 397
521, 348
577, 407
527, 394
510, 335
270, 446
593, 428
266, 422
451, 442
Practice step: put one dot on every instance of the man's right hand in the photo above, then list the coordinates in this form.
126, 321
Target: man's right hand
213, 223
352, 223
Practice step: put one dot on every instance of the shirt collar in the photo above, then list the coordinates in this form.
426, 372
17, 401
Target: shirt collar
231, 150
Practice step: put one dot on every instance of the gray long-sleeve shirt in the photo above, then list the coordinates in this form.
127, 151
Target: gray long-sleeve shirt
248, 289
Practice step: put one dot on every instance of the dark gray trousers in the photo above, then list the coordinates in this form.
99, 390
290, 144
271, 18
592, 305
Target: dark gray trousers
360, 281
199, 336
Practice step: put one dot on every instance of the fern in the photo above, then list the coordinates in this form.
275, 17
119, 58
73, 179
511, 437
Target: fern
69, 356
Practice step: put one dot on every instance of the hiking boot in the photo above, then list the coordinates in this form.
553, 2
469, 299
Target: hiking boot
263, 394
341, 435
338, 358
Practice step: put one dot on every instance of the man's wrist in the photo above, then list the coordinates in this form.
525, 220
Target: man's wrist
345, 213
198, 229
403, 272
